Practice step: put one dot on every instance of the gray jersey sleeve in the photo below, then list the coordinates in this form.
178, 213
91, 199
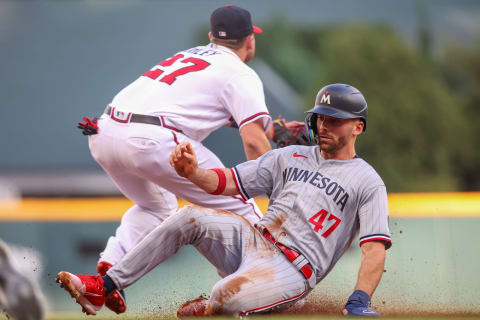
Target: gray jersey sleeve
373, 216
255, 177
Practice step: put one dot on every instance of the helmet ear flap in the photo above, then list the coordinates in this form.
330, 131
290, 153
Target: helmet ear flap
311, 123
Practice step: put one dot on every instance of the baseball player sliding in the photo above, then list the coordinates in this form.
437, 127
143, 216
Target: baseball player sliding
182, 98
321, 198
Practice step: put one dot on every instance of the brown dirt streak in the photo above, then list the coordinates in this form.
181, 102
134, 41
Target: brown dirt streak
233, 214
222, 212
259, 246
232, 287
275, 225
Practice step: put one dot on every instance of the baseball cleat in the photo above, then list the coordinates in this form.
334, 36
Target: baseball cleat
87, 290
115, 301
102, 267
19, 295
193, 308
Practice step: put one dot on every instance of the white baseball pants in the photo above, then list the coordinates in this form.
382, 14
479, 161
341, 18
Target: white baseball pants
135, 156
258, 277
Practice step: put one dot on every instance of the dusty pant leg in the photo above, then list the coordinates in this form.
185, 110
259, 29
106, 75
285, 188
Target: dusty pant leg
264, 282
193, 225
225, 241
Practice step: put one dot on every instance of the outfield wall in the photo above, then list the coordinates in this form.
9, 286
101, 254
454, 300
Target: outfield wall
431, 268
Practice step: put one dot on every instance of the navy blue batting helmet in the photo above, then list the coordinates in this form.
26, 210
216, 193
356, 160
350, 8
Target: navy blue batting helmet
339, 101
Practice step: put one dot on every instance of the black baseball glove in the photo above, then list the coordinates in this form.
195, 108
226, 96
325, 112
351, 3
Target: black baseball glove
89, 127
288, 133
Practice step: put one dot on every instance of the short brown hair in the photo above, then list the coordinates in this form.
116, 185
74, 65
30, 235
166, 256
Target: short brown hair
234, 44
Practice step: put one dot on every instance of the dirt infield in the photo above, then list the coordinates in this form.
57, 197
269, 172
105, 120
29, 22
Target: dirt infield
333, 307
313, 308
269, 317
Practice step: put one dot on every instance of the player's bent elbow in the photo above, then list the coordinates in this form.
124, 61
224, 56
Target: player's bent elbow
373, 246
254, 148
251, 144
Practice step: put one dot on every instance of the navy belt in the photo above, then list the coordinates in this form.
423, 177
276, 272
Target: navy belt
123, 117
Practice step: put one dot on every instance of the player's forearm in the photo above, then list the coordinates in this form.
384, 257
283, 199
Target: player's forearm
255, 149
255, 142
210, 181
372, 266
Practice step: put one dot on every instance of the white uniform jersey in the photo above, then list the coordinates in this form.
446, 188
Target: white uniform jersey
193, 93
317, 206
198, 91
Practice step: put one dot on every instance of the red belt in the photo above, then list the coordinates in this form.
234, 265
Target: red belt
294, 257
138, 118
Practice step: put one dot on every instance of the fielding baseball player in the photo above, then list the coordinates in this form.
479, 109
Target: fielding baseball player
20, 296
321, 198
184, 97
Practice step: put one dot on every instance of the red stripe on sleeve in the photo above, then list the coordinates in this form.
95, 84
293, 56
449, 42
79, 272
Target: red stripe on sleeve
388, 242
253, 117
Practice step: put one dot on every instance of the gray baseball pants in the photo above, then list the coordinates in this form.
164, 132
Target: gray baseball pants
257, 276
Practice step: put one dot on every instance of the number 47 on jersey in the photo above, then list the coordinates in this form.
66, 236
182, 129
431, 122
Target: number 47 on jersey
318, 220
179, 67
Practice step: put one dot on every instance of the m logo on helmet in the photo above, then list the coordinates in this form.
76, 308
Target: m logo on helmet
325, 98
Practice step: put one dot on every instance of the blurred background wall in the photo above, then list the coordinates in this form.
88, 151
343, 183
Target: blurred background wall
416, 62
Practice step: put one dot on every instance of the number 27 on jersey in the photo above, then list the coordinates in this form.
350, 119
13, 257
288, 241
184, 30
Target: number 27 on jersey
178, 66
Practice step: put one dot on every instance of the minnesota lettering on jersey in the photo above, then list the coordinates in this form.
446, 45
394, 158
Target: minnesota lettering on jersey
330, 187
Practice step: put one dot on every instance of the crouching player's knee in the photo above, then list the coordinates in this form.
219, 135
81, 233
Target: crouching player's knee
193, 210
226, 298
190, 214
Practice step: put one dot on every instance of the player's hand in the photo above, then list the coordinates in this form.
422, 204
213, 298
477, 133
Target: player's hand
358, 304
183, 159
293, 124
289, 133
89, 126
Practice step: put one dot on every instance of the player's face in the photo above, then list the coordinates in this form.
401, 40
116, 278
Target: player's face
336, 134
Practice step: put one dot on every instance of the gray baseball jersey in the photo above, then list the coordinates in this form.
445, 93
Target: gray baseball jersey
317, 206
